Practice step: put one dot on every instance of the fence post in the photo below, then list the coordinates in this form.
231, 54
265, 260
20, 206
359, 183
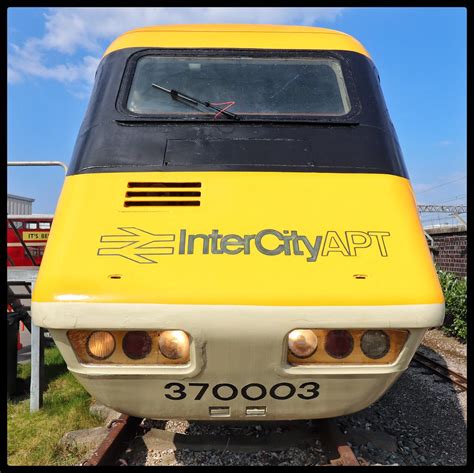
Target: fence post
12, 358
37, 366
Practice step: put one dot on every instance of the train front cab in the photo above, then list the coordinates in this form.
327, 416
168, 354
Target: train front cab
239, 231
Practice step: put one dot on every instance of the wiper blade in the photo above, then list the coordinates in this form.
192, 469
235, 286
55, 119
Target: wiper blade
179, 95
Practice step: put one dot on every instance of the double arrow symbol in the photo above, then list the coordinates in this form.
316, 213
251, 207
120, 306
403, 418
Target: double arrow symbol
137, 245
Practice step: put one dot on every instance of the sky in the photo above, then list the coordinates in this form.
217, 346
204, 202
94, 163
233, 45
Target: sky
420, 54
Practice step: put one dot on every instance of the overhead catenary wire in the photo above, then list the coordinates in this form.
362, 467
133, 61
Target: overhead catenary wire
452, 200
441, 185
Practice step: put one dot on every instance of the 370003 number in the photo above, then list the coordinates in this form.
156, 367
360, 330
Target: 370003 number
251, 391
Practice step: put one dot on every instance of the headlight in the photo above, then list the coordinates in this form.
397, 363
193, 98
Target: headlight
100, 345
174, 344
302, 343
375, 344
349, 347
133, 347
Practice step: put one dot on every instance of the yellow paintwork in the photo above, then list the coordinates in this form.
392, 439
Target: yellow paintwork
237, 36
91, 205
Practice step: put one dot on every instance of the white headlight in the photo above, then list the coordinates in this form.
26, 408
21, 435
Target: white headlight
174, 344
302, 343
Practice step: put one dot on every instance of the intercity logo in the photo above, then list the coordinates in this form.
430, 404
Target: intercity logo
144, 247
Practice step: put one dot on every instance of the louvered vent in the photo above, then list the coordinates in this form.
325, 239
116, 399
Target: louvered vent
163, 194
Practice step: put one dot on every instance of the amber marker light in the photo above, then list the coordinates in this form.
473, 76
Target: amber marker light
302, 343
100, 345
174, 344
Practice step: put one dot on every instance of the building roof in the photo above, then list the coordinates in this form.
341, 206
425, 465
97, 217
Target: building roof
19, 197
445, 228
237, 36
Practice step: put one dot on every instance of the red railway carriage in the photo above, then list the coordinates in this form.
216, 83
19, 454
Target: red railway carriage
34, 231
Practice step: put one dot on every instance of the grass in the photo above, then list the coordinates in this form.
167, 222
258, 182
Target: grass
33, 437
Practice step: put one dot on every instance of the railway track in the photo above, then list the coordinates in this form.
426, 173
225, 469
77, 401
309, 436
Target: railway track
126, 429
441, 370
121, 432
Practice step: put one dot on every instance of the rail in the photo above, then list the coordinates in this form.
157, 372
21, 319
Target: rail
441, 370
125, 429
122, 431
38, 163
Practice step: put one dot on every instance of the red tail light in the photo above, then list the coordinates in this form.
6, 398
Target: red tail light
339, 343
136, 345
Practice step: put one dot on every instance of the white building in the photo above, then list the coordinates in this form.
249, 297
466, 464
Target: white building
17, 205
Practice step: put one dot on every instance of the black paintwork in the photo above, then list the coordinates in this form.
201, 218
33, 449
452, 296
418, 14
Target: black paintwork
112, 139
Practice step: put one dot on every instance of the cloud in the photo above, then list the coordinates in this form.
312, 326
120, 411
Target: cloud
445, 142
77, 37
29, 60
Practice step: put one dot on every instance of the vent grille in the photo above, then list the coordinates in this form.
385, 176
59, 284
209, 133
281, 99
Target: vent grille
164, 184
146, 194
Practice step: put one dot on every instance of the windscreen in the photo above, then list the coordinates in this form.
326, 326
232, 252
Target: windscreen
245, 86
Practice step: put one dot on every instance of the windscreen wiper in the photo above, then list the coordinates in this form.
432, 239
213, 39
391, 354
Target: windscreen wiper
176, 95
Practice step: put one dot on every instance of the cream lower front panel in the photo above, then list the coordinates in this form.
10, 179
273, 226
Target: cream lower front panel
238, 366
